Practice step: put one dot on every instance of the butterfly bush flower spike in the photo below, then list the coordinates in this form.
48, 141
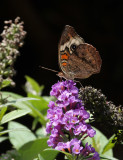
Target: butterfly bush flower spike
12, 39
67, 124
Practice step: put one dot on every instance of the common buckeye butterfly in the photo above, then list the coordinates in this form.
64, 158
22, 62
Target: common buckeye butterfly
77, 59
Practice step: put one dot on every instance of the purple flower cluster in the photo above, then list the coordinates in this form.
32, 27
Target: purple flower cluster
67, 121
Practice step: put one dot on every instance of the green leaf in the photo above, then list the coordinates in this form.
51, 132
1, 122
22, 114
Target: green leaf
49, 151
17, 100
11, 130
13, 115
98, 142
10, 96
25, 105
107, 157
49, 154
2, 112
3, 139
31, 149
41, 132
41, 105
109, 145
49, 98
21, 136
33, 87
1, 128
36, 113
40, 157
5, 131
5, 83
34, 123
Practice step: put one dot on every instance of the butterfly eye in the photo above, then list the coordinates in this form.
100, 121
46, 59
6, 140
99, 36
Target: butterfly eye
73, 47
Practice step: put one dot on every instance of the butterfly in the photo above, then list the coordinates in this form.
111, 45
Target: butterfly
77, 59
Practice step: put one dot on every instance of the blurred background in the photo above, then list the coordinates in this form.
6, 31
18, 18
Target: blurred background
100, 23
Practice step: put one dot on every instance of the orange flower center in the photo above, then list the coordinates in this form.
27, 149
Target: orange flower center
77, 150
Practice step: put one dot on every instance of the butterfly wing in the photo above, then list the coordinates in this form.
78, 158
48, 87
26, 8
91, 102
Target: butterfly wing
85, 61
76, 58
68, 37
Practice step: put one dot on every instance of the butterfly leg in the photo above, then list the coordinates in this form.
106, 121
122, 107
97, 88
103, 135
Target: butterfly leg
60, 79
79, 83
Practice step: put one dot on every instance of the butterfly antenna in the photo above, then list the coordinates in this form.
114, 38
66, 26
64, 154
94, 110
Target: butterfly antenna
48, 69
